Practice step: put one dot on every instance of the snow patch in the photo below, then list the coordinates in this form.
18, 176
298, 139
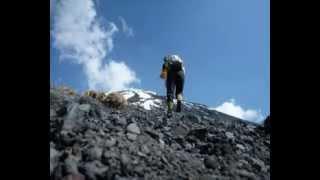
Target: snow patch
142, 94
151, 92
145, 101
148, 104
189, 105
128, 94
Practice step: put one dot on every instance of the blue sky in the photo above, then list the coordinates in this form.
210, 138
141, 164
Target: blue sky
224, 44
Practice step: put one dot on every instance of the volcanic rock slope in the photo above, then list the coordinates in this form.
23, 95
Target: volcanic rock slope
91, 141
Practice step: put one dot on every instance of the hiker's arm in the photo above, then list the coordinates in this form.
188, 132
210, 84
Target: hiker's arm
164, 70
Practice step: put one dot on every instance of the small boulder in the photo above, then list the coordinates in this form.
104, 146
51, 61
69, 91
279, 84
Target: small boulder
241, 147
84, 107
211, 162
124, 159
131, 136
110, 142
133, 128
259, 165
152, 134
194, 118
94, 153
200, 134
94, 170
121, 121
114, 100
245, 174
230, 135
71, 165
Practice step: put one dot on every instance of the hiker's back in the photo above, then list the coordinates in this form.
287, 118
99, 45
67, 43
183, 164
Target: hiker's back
175, 64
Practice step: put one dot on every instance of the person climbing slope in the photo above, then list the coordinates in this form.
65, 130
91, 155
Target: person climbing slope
173, 72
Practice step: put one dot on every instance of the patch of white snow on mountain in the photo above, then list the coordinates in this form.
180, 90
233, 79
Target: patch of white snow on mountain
145, 101
148, 104
151, 92
189, 105
142, 94
127, 94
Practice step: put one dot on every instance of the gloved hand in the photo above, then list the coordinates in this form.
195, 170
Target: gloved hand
163, 75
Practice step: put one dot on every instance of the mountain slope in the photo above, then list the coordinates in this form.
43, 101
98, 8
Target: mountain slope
92, 141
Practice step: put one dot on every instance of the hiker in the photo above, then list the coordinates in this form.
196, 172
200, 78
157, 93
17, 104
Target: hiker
174, 73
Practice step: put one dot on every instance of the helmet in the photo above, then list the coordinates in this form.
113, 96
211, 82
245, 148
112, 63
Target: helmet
176, 58
172, 58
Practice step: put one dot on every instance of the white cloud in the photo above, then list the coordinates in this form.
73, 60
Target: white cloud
231, 108
116, 76
82, 39
125, 28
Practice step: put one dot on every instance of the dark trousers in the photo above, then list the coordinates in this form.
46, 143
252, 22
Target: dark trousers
174, 83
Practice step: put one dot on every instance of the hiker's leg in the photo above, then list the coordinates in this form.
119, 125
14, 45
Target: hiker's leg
179, 90
170, 92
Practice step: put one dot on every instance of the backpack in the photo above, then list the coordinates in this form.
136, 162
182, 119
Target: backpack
175, 63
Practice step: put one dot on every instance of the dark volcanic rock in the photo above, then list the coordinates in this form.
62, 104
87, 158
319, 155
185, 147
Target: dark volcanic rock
245, 174
84, 107
94, 170
61, 111
94, 153
110, 142
71, 165
133, 128
211, 162
131, 136
122, 121
92, 141
78, 176
201, 134
194, 118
